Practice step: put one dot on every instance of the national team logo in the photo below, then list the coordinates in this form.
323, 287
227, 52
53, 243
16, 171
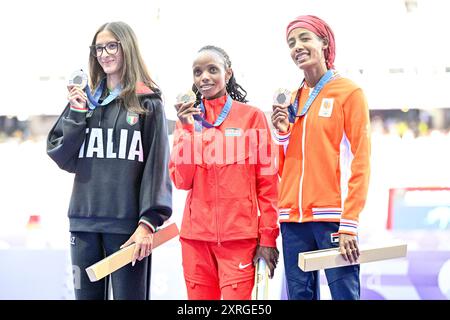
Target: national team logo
233, 132
132, 118
326, 108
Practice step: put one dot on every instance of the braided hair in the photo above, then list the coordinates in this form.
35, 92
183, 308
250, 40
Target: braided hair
233, 88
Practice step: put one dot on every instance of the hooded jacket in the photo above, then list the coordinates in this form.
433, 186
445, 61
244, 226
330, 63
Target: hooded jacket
119, 159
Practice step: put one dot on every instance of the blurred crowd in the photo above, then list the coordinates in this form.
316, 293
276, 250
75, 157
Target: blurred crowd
404, 124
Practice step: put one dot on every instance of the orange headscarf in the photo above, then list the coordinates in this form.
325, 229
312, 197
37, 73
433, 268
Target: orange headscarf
321, 29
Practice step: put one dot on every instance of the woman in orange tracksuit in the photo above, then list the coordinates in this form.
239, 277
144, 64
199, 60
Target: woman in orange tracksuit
222, 154
324, 162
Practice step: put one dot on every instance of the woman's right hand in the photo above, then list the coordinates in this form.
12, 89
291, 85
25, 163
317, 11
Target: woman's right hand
280, 117
77, 97
186, 111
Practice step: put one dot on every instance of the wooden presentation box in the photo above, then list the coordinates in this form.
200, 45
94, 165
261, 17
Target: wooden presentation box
124, 256
332, 258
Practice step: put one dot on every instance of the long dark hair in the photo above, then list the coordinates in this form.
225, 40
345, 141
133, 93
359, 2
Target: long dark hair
233, 88
133, 70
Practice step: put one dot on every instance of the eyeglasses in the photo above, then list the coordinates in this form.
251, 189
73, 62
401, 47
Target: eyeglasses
110, 48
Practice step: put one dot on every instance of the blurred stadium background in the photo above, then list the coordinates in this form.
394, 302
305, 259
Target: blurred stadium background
395, 49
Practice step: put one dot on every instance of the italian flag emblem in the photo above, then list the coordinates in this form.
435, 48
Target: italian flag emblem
132, 118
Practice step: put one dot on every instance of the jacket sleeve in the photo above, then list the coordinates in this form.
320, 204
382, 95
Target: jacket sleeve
282, 140
266, 184
182, 159
357, 131
66, 137
156, 189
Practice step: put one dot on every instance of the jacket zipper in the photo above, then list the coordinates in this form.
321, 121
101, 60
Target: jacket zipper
300, 196
217, 201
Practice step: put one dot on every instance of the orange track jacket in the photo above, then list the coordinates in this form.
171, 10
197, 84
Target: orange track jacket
325, 158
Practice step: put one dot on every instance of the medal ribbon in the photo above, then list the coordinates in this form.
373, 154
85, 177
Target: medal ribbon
93, 100
293, 108
222, 116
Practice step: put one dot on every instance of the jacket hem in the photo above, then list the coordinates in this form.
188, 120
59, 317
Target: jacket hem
213, 238
103, 225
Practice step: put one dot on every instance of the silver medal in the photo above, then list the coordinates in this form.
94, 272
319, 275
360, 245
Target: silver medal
79, 78
282, 96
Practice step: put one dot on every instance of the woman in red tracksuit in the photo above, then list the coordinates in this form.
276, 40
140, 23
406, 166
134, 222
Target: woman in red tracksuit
222, 154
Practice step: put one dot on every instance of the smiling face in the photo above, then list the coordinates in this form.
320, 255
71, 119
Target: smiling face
111, 63
210, 74
307, 49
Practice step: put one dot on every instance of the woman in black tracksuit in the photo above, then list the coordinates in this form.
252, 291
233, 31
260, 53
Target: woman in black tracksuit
119, 152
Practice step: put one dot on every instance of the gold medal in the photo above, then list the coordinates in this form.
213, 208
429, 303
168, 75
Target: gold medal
186, 97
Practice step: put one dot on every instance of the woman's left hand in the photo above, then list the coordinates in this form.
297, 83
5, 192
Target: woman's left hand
270, 255
348, 246
143, 238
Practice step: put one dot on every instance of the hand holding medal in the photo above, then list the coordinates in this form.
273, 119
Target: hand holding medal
77, 97
280, 116
79, 81
185, 107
